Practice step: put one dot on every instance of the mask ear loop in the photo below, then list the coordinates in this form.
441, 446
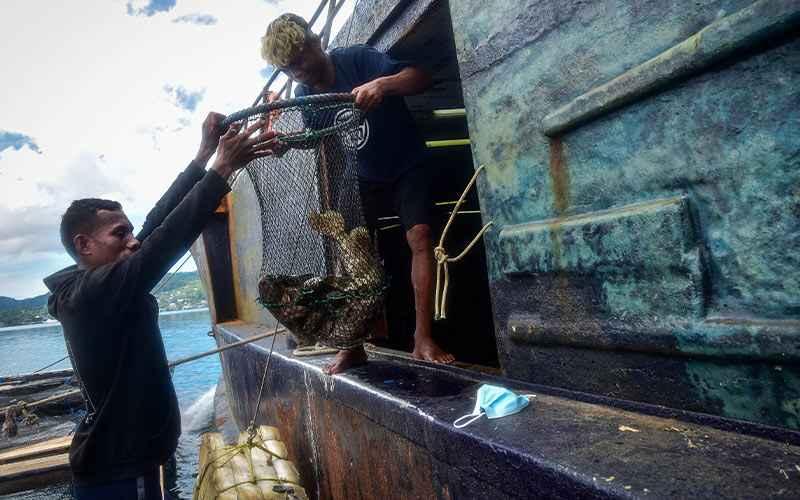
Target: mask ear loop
474, 417
529, 396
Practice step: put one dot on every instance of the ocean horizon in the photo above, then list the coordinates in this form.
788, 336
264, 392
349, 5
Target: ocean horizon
53, 322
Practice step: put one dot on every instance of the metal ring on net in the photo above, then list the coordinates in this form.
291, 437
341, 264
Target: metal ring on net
309, 102
320, 276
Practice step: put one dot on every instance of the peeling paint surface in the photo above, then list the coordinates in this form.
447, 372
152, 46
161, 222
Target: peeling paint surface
726, 141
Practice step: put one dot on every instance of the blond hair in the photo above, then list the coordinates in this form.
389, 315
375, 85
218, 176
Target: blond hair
284, 39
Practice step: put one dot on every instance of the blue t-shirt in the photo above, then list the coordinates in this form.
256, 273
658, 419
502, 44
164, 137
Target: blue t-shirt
389, 143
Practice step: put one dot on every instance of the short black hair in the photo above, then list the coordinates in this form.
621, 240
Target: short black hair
81, 217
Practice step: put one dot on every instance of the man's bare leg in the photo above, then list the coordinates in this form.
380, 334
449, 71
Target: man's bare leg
346, 359
421, 244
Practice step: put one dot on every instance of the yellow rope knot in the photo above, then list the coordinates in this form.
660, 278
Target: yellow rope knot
440, 255
442, 259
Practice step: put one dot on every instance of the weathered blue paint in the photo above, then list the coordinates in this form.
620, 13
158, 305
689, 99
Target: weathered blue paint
627, 248
664, 233
758, 23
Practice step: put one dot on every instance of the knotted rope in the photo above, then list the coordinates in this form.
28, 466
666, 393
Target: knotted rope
442, 259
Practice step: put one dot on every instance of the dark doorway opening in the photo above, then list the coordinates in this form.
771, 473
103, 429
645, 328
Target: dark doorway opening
468, 330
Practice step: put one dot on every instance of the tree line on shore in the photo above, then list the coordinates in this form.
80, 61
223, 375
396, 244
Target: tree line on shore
180, 291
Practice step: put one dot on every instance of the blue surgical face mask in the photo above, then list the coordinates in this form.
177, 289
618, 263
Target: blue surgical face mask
495, 402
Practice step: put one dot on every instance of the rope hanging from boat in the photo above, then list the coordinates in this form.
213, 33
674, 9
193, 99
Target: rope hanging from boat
442, 259
51, 364
251, 427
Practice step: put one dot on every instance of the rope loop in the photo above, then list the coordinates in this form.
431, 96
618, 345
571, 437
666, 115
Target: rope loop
443, 259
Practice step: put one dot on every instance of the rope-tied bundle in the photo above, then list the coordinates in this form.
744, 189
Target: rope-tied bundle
256, 467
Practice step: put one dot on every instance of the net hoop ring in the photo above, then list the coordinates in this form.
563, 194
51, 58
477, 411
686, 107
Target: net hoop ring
296, 102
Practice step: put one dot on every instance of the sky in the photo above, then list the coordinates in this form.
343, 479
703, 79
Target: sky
106, 99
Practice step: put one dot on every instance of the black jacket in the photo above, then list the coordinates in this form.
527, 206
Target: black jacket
110, 323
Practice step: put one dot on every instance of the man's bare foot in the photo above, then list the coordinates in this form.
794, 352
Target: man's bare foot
427, 350
346, 359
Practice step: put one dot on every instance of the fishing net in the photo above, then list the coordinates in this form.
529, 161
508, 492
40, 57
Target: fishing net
320, 275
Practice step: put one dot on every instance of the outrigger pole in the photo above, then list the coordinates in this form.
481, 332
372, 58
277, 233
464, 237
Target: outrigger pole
172, 364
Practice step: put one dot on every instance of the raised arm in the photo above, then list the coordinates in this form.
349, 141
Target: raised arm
212, 129
124, 280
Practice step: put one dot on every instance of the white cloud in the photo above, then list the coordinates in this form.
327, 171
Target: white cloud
87, 81
17, 141
149, 7
201, 19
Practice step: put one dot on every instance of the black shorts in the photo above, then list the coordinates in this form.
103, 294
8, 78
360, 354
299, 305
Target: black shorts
408, 197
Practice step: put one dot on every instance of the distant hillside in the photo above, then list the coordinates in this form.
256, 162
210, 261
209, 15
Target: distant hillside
177, 280
181, 291
7, 303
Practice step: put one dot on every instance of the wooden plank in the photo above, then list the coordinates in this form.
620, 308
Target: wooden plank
33, 473
49, 447
16, 379
27, 388
218, 256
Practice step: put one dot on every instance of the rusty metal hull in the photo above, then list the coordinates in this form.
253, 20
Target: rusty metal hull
384, 430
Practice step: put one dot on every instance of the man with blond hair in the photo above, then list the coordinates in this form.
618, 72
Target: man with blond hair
390, 150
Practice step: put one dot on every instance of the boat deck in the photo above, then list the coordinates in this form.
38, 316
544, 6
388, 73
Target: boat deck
346, 433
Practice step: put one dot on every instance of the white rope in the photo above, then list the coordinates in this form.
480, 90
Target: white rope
442, 259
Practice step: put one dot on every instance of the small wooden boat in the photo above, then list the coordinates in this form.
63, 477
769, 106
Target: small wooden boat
45, 392
39, 412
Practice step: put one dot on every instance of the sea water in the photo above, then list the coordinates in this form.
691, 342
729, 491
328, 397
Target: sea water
25, 349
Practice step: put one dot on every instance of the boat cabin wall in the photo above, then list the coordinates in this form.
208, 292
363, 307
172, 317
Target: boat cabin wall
642, 170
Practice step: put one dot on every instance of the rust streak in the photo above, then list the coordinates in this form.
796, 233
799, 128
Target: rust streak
559, 175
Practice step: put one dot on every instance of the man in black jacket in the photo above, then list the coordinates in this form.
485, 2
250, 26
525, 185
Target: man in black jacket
110, 319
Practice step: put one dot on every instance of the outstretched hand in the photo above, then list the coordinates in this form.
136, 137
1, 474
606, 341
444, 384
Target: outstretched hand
212, 130
239, 147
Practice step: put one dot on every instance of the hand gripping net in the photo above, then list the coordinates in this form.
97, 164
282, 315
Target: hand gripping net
320, 275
